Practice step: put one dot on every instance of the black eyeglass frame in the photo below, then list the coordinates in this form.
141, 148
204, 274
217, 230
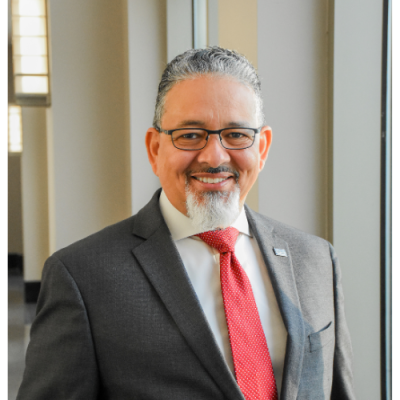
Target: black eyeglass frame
209, 132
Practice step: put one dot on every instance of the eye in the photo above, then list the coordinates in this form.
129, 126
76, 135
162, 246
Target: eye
188, 136
236, 135
237, 138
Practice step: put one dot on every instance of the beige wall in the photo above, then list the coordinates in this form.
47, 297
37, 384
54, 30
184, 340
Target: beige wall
34, 192
231, 15
89, 121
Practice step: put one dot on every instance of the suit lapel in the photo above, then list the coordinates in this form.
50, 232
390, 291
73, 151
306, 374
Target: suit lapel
280, 270
161, 263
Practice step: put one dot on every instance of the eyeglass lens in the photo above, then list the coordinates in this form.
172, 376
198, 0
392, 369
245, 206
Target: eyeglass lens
196, 139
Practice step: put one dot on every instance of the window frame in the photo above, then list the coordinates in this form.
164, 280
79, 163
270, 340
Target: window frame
387, 206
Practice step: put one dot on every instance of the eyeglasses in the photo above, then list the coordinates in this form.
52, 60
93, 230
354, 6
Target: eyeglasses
196, 139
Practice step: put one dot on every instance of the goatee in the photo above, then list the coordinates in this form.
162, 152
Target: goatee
212, 210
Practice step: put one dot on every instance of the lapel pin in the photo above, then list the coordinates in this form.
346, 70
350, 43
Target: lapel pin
280, 252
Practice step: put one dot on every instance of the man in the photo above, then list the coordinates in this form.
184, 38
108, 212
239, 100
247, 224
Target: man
196, 296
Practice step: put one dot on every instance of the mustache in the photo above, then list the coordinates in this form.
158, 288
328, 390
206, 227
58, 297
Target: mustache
210, 170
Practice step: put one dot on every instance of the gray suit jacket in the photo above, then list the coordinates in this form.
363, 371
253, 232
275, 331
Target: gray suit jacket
117, 318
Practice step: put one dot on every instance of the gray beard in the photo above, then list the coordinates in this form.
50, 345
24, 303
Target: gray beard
212, 210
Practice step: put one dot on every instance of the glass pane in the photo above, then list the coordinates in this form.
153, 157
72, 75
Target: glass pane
14, 129
31, 8
31, 84
14, 110
30, 46
30, 65
29, 26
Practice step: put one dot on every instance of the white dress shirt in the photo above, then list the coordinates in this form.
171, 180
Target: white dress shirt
202, 265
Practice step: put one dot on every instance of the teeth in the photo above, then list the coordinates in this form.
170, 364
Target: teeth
210, 180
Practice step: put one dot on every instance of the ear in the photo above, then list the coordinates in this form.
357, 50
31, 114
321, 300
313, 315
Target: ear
264, 144
153, 147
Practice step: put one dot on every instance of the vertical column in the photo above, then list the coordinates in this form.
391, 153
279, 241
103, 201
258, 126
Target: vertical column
90, 170
293, 59
200, 31
147, 59
34, 198
212, 22
179, 27
237, 30
356, 179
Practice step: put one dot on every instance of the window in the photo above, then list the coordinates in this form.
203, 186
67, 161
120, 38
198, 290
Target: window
30, 52
14, 129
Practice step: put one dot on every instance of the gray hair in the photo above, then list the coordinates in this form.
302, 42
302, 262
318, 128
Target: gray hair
213, 61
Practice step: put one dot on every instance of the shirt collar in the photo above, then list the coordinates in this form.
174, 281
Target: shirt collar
181, 226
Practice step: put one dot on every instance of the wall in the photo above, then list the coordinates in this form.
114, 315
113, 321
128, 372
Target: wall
293, 65
89, 121
178, 28
356, 179
212, 22
147, 59
231, 14
34, 192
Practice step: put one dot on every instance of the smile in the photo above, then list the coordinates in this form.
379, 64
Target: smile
210, 180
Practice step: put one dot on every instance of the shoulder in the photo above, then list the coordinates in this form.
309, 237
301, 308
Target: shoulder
109, 249
311, 258
110, 238
297, 240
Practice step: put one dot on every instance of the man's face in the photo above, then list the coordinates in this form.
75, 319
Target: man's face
211, 103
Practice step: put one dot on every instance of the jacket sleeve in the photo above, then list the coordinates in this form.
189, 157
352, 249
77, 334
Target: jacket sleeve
342, 385
60, 361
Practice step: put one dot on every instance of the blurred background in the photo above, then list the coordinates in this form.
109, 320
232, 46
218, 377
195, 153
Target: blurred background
83, 79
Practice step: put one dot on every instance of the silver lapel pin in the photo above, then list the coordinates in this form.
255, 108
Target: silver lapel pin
280, 252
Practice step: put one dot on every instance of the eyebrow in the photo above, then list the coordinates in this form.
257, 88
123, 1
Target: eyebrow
202, 124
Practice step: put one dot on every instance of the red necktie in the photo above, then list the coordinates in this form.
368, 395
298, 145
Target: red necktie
251, 359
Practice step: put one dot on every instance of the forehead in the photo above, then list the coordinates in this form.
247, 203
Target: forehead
210, 100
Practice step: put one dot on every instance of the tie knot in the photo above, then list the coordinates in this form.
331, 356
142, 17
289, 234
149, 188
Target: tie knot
223, 240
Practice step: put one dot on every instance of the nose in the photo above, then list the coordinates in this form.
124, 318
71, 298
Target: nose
214, 154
